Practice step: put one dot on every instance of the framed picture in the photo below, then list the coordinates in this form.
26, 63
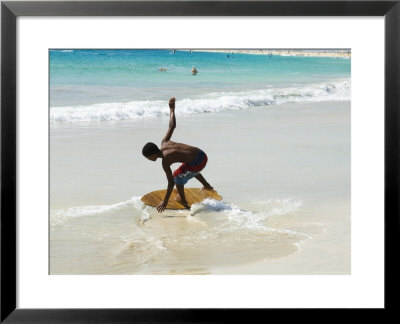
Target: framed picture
289, 115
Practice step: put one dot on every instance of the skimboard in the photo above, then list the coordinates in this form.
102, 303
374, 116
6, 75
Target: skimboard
192, 195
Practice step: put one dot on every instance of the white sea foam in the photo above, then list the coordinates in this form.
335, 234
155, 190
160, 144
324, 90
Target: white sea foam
211, 103
85, 210
278, 207
59, 216
247, 219
235, 220
239, 220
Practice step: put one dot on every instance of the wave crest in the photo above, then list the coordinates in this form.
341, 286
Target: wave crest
212, 103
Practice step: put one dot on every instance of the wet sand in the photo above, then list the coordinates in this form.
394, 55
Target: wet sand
283, 172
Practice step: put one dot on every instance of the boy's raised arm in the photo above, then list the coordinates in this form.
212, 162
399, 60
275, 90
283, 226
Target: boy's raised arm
172, 120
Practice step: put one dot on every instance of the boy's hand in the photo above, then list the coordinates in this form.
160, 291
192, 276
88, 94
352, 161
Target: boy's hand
161, 206
172, 103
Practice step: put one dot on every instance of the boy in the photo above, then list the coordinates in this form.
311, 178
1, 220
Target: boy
193, 161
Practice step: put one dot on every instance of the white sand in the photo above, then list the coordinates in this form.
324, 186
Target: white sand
287, 52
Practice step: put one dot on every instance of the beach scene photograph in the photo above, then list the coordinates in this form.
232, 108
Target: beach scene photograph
199, 161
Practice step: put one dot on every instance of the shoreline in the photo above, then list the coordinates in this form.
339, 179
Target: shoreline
284, 52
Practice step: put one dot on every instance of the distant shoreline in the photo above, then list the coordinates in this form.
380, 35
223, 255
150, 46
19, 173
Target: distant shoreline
284, 52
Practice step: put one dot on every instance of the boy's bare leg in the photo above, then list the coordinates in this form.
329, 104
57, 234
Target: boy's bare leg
204, 182
182, 199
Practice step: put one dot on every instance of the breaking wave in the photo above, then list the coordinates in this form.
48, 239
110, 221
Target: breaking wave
212, 103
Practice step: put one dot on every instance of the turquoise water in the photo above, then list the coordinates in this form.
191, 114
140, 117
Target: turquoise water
126, 84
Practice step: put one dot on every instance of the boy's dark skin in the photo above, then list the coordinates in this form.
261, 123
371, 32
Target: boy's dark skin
172, 152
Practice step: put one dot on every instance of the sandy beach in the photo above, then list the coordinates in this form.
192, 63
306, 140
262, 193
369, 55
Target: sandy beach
342, 53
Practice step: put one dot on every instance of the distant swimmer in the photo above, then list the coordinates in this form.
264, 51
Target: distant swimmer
163, 69
194, 71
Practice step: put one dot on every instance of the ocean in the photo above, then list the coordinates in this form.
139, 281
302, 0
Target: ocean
88, 85
276, 130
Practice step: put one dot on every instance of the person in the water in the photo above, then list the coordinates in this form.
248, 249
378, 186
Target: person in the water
192, 158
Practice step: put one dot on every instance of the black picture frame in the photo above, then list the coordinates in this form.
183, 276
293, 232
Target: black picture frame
10, 10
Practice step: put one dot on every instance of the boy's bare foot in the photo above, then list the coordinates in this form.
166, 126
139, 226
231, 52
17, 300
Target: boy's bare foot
182, 202
208, 188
